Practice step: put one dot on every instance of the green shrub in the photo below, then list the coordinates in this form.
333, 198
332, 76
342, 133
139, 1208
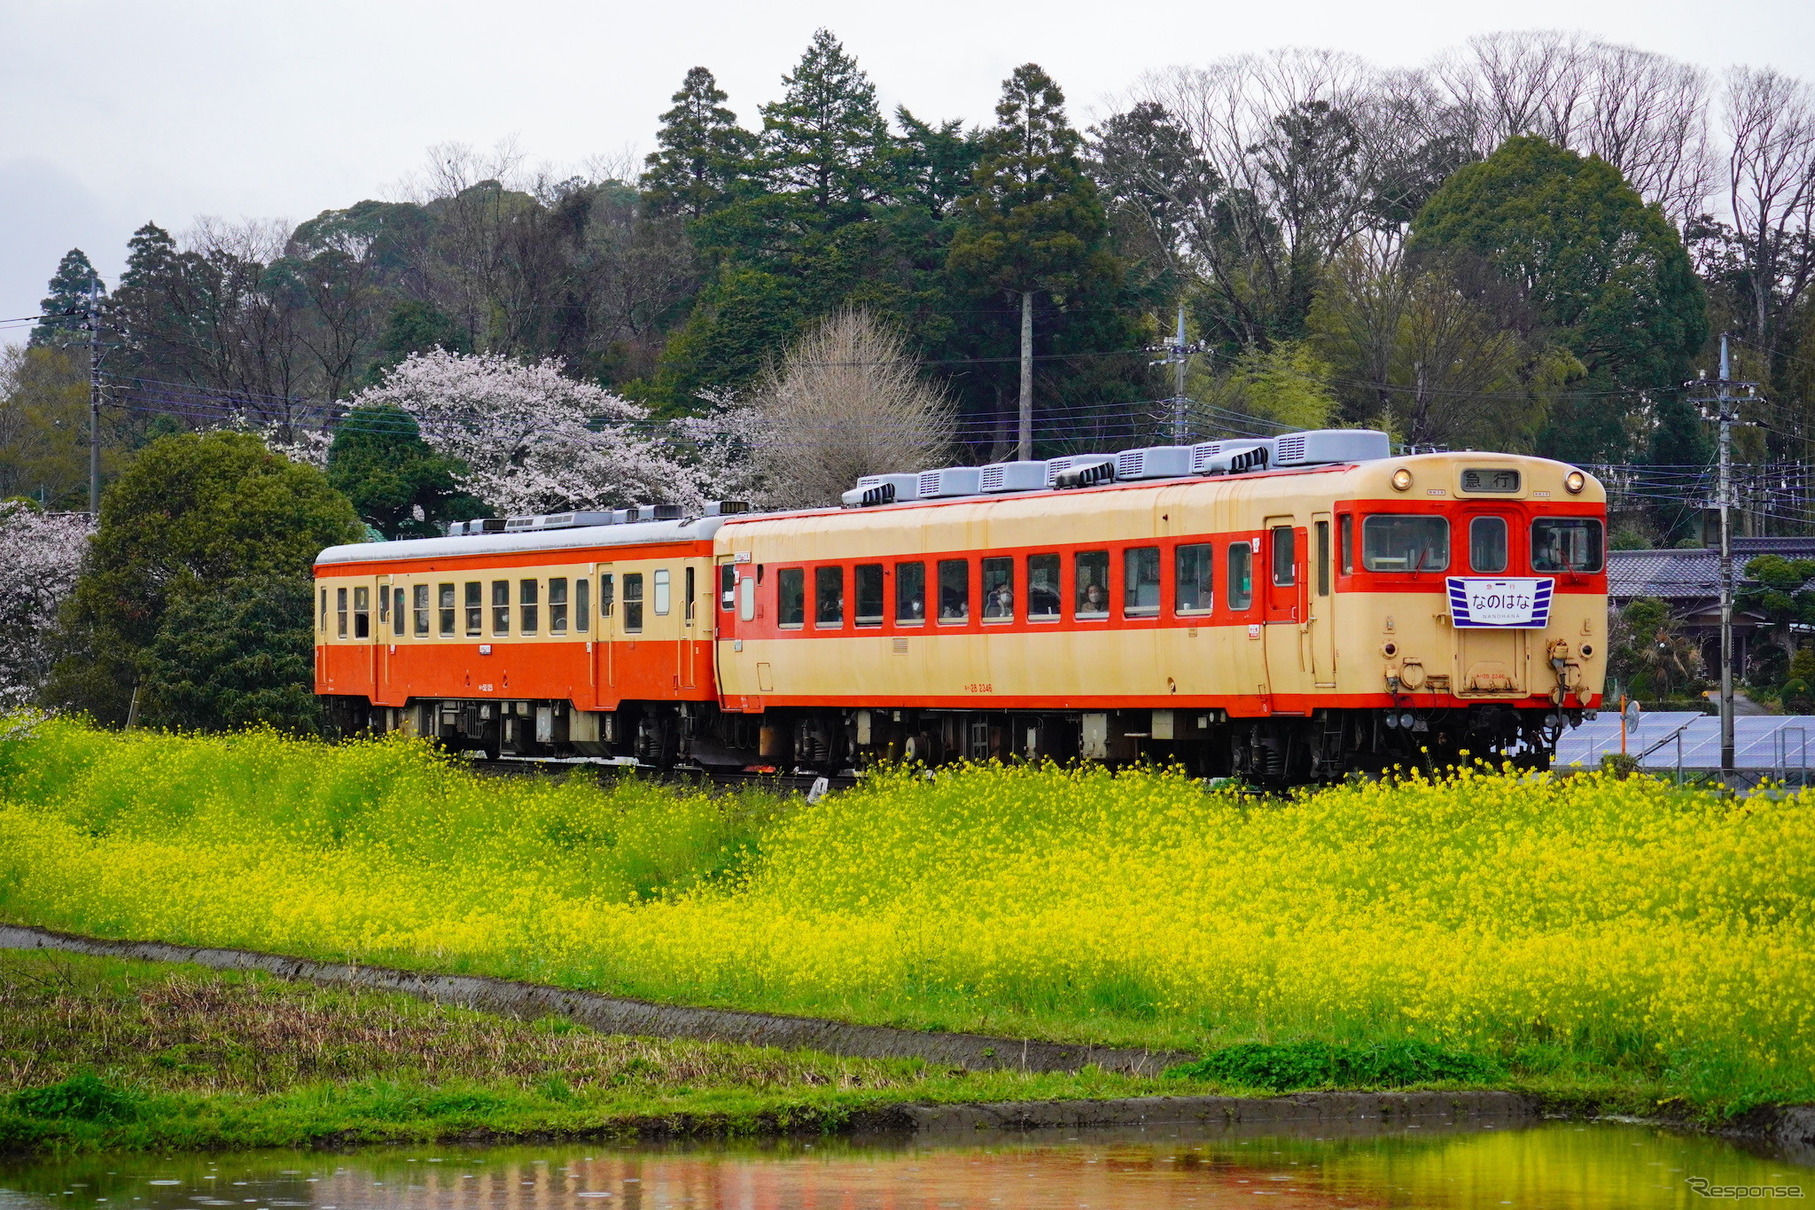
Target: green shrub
1284, 1066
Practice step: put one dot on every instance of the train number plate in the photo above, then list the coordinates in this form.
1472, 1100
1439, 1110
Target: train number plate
1518, 603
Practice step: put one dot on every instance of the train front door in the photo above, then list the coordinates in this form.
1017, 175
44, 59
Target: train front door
1320, 600
1282, 586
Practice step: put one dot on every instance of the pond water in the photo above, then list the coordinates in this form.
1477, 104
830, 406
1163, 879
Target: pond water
1549, 1166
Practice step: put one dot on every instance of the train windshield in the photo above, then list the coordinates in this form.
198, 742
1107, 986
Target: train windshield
1566, 544
1404, 542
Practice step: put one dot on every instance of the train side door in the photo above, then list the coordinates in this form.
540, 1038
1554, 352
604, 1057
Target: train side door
383, 640
684, 678
1282, 586
1320, 599
604, 651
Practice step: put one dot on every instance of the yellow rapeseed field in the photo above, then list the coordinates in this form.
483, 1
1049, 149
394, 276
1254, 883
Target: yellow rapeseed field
1581, 928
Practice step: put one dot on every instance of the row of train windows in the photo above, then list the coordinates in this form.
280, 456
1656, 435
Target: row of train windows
1035, 595
440, 609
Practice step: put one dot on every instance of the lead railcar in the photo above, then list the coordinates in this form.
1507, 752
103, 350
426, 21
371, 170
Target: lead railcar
1288, 610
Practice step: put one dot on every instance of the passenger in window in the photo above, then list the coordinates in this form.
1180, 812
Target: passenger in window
1001, 603
1093, 601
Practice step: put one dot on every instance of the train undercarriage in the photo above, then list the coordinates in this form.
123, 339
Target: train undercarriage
1279, 751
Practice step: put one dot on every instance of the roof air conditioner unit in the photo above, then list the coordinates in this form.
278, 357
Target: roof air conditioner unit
1012, 477
1056, 465
456, 529
491, 525
573, 520
1322, 446
907, 487
1204, 453
949, 481
1154, 462
516, 525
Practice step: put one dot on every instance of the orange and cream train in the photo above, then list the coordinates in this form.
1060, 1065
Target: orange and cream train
1297, 613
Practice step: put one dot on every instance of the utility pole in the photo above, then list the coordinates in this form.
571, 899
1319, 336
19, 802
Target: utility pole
1178, 356
94, 399
1726, 414
1025, 448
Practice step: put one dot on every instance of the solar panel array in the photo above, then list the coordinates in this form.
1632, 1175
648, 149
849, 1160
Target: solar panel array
1768, 741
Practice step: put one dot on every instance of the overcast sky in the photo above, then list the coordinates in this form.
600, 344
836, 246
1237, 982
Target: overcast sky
112, 113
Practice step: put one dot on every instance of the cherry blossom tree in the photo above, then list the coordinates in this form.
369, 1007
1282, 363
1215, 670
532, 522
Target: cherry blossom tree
40, 554
532, 440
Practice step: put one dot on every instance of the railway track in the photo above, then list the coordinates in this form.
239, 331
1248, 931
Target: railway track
604, 771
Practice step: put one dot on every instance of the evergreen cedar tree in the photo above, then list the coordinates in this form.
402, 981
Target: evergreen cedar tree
1606, 274
703, 151
64, 311
380, 462
191, 519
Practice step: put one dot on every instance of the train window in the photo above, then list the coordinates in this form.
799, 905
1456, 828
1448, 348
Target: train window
1141, 582
1323, 558
384, 607
727, 586
527, 607
475, 607
868, 585
1285, 556
1091, 568
1191, 574
419, 601
445, 611
1346, 539
340, 610
1240, 580
1487, 543
322, 624
791, 597
746, 598
362, 613
828, 597
690, 591
910, 594
500, 606
662, 592
557, 605
396, 596
1404, 542
1566, 544
998, 590
607, 589
633, 602
954, 591
582, 604
1042, 588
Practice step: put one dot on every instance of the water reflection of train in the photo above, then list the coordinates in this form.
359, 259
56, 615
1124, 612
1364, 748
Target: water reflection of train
1289, 610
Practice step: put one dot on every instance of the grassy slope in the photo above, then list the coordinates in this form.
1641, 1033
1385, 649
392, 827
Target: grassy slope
1615, 939
138, 1055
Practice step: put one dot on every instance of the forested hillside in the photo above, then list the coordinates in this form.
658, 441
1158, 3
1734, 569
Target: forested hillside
1528, 245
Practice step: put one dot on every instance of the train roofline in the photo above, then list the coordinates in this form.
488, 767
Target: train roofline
639, 533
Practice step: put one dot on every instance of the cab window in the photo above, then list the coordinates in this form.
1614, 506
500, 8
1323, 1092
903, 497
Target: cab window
1487, 544
1285, 556
1404, 542
727, 586
1566, 544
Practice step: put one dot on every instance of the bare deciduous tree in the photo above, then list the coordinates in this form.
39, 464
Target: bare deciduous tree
847, 400
1770, 131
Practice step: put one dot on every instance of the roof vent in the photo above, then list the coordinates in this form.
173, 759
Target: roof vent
1086, 474
907, 487
1322, 446
726, 508
1056, 465
1154, 462
869, 497
1012, 477
949, 481
1213, 457
665, 512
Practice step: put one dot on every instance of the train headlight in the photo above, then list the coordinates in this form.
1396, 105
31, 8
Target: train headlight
1574, 482
1402, 480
